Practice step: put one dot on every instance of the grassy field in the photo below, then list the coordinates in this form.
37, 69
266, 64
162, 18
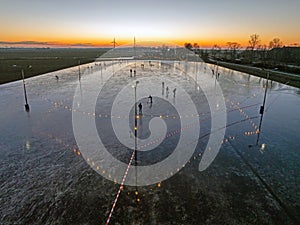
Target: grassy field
42, 61
278, 76
281, 77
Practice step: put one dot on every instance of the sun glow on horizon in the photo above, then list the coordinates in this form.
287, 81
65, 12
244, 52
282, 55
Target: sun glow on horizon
108, 42
97, 24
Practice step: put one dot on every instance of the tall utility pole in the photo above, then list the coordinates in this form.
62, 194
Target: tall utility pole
262, 109
114, 42
25, 93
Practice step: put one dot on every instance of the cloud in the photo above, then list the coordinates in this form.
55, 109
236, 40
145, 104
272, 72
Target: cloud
83, 45
43, 44
24, 43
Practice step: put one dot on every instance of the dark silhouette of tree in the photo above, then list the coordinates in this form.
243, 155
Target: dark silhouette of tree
188, 46
275, 43
253, 43
233, 48
195, 46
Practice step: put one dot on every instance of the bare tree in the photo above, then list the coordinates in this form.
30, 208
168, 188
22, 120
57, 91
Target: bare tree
275, 43
253, 43
195, 46
233, 47
189, 46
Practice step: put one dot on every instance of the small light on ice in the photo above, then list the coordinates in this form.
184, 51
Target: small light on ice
263, 146
27, 145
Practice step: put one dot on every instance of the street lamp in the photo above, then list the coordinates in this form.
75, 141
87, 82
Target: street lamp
135, 113
135, 132
262, 109
24, 88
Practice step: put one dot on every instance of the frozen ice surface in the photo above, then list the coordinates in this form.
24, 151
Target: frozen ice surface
44, 178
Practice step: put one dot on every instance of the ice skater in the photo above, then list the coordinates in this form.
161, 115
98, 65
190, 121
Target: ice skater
57, 78
150, 99
174, 92
140, 109
134, 73
167, 91
130, 72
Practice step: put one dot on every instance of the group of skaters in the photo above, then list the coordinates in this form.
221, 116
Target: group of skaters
142, 66
134, 73
148, 102
167, 90
217, 74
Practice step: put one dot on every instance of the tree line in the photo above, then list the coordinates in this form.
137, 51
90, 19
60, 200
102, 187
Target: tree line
275, 54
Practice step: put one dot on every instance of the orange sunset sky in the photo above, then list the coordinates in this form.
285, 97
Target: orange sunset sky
68, 23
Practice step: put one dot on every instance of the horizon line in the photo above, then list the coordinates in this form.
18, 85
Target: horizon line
57, 44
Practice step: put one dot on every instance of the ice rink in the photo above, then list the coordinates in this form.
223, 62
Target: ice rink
47, 177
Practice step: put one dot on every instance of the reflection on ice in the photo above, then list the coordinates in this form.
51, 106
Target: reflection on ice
53, 184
